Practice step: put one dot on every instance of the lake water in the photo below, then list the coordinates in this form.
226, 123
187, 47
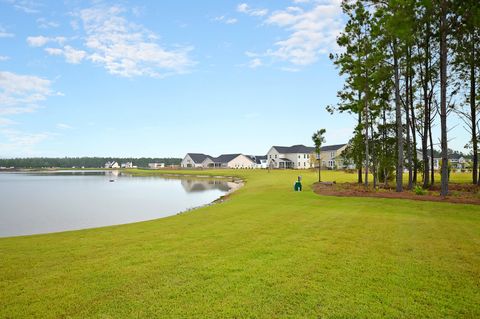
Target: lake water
34, 203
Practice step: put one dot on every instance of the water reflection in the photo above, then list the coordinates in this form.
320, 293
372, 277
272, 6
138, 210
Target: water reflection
191, 185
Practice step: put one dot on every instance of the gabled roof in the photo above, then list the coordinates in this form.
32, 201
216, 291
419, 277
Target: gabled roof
330, 148
257, 158
225, 158
294, 149
198, 158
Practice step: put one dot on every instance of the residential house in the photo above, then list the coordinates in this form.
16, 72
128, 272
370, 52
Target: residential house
112, 164
193, 160
127, 165
229, 161
296, 156
303, 157
156, 165
331, 156
260, 160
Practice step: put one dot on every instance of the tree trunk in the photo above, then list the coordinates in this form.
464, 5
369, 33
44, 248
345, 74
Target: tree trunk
319, 168
374, 160
359, 163
473, 112
398, 113
426, 106
407, 116
426, 125
443, 96
367, 158
413, 129
432, 160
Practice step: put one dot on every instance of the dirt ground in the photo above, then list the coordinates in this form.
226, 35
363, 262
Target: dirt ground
458, 193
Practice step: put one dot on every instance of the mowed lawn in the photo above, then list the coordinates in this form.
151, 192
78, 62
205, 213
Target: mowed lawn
267, 252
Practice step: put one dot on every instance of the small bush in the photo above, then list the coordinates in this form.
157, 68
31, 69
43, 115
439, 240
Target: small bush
419, 190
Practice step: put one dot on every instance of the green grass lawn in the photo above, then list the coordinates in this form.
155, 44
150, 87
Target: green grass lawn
267, 252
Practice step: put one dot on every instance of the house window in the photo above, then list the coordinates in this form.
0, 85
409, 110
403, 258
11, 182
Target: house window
298, 164
332, 154
304, 164
330, 163
304, 155
275, 155
270, 156
298, 155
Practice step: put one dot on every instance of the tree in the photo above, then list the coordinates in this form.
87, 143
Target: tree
467, 66
443, 95
318, 139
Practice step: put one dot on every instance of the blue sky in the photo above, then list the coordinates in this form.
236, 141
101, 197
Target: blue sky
162, 78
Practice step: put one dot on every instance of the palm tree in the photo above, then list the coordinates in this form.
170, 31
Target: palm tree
318, 139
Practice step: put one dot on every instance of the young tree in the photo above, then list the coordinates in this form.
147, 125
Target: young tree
318, 139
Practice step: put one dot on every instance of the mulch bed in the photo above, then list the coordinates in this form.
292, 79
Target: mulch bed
459, 193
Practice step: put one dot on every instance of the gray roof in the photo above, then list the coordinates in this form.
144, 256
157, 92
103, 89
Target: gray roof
198, 157
225, 158
294, 149
328, 148
257, 158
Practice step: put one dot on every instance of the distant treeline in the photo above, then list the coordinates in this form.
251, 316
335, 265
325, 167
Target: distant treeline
87, 162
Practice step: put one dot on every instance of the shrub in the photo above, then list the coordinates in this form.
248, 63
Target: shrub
419, 190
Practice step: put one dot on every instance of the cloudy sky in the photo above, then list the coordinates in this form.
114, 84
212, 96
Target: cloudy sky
162, 78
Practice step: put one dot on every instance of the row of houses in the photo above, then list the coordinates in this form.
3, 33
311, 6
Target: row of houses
457, 162
114, 164
294, 157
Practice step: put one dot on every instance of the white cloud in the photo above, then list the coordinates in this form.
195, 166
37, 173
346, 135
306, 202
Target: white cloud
242, 7
71, 55
4, 58
245, 8
22, 93
54, 51
225, 20
301, 1
311, 32
40, 41
128, 49
255, 63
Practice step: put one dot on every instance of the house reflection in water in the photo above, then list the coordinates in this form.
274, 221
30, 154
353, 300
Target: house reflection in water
202, 185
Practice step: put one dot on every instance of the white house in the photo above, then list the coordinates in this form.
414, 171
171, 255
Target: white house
127, 165
193, 160
229, 161
112, 164
303, 157
156, 165
296, 156
260, 160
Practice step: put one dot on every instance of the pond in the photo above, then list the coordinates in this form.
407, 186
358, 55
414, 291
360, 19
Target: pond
35, 203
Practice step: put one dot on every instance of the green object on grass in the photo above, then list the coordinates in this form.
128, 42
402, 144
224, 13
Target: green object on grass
298, 186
